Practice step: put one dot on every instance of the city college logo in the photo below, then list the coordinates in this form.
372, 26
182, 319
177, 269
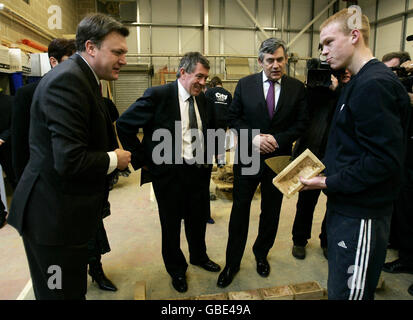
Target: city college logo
221, 97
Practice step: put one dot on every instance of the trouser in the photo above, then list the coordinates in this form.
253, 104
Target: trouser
57, 272
402, 224
97, 246
307, 200
243, 192
356, 254
181, 195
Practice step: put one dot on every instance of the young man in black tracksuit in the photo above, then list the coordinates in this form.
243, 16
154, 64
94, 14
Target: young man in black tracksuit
364, 160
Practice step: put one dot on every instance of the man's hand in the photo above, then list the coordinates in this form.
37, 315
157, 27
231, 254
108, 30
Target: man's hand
334, 83
318, 182
1, 142
265, 143
124, 158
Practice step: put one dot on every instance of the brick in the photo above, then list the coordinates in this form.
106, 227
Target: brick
277, 293
140, 291
245, 295
307, 291
218, 296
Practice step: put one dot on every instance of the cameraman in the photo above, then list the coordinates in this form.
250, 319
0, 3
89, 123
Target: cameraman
402, 219
323, 90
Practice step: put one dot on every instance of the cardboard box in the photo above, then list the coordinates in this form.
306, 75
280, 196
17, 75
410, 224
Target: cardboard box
19, 61
4, 59
40, 64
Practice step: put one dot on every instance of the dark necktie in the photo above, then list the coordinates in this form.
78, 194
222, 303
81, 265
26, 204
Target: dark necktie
193, 123
271, 98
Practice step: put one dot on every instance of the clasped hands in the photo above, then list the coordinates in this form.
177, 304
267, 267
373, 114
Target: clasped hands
265, 143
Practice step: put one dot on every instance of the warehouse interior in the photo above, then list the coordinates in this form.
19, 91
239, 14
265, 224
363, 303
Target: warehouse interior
228, 33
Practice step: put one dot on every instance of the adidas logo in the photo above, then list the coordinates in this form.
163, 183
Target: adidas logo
342, 244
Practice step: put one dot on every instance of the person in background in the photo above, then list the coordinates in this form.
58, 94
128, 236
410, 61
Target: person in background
222, 99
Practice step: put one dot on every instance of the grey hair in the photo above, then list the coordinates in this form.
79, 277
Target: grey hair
189, 62
269, 46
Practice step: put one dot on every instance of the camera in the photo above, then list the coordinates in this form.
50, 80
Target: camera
319, 73
405, 77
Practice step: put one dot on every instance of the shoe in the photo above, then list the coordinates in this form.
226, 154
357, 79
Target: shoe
2, 219
226, 276
325, 252
410, 290
179, 283
263, 267
209, 266
104, 283
397, 266
210, 221
299, 252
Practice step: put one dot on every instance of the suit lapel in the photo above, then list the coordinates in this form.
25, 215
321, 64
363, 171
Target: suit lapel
262, 103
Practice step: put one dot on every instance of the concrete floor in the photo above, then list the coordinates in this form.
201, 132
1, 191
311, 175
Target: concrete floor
135, 238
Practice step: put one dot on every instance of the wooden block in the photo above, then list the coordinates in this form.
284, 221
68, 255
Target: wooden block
306, 165
140, 291
245, 295
307, 291
277, 293
218, 296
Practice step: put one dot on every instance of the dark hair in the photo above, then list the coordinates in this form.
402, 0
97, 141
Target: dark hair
403, 56
189, 62
269, 46
61, 47
95, 27
215, 81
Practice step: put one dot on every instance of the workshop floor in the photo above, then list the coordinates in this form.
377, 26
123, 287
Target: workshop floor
135, 238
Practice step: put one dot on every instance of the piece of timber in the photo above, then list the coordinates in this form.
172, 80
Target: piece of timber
306, 165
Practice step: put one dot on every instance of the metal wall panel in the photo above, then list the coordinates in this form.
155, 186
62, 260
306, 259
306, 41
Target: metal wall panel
129, 87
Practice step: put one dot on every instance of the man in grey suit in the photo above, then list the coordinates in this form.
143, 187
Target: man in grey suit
58, 202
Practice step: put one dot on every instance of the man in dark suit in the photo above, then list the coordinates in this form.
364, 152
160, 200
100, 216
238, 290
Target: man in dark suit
58, 202
276, 105
180, 109
58, 51
6, 106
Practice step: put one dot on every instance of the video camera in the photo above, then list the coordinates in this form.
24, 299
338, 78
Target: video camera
405, 77
319, 73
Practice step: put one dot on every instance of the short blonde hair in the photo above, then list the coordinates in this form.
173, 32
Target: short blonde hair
343, 17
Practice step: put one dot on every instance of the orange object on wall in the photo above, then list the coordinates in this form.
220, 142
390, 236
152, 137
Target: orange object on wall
35, 45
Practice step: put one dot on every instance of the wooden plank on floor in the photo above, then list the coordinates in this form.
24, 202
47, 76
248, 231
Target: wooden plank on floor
140, 291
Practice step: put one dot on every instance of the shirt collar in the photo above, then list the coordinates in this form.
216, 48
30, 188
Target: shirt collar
182, 91
93, 71
264, 78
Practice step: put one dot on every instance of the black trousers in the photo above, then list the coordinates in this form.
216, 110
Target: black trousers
181, 195
356, 254
243, 192
6, 164
402, 224
307, 200
57, 272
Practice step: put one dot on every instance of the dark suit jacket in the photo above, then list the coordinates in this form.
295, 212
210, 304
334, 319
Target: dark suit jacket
6, 106
158, 108
248, 110
60, 196
20, 124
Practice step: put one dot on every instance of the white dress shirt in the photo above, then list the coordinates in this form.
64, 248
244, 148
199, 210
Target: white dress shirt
183, 96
